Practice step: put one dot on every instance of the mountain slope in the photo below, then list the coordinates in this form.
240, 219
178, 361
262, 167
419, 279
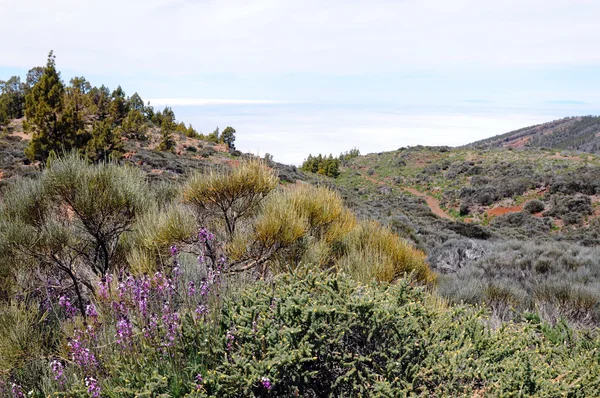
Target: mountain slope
580, 133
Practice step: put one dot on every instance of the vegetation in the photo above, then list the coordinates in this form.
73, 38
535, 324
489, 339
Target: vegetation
93, 121
184, 268
328, 165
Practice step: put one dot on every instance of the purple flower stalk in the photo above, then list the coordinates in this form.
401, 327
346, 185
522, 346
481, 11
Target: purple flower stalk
205, 236
174, 250
70, 309
124, 331
230, 338
90, 311
199, 381
266, 383
191, 288
17, 391
92, 387
103, 287
57, 369
81, 355
204, 289
201, 310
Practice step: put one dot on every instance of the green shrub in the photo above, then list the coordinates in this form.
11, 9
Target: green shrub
534, 206
231, 195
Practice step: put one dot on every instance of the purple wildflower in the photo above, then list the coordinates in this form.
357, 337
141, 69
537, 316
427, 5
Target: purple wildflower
90, 311
124, 331
17, 391
92, 387
152, 326
199, 381
266, 383
81, 355
230, 338
171, 322
104, 286
65, 302
205, 236
201, 310
57, 369
204, 288
191, 288
174, 250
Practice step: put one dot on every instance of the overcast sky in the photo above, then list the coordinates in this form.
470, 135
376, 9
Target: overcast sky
500, 62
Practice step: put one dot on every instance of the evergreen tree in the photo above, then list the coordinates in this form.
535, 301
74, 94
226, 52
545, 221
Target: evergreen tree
149, 112
12, 98
167, 126
228, 137
214, 136
33, 76
118, 105
43, 110
76, 108
101, 101
105, 142
134, 125
191, 132
136, 103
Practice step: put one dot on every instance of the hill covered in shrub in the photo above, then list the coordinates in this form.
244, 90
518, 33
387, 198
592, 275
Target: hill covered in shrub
571, 133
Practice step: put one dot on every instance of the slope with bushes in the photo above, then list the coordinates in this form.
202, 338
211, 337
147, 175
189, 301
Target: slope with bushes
495, 197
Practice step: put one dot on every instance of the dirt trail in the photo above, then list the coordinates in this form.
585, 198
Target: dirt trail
432, 202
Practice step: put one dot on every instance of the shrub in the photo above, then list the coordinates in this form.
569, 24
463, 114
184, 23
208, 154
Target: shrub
376, 253
317, 334
311, 225
71, 220
230, 194
558, 279
534, 206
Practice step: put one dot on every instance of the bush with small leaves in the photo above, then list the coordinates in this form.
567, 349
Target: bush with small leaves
534, 206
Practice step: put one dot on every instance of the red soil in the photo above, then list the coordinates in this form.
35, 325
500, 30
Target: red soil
432, 202
498, 211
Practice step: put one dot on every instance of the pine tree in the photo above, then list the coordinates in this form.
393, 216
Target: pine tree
118, 106
105, 142
136, 103
43, 110
167, 126
214, 136
12, 97
228, 137
134, 125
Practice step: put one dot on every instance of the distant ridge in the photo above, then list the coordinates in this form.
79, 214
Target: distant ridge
581, 133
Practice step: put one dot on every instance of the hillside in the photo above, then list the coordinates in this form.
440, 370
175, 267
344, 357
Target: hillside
187, 155
140, 258
581, 133
502, 226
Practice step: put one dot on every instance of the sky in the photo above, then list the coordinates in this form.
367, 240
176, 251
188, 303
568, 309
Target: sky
299, 77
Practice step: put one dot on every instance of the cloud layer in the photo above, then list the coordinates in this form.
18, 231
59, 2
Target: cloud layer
179, 37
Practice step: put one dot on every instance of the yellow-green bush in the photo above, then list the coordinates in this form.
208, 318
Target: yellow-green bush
230, 194
154, 232
375, 252
20, 340
311, 225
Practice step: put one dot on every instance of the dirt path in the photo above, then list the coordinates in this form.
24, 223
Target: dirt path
432, 202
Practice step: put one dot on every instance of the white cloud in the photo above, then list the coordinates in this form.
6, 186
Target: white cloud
175, 37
